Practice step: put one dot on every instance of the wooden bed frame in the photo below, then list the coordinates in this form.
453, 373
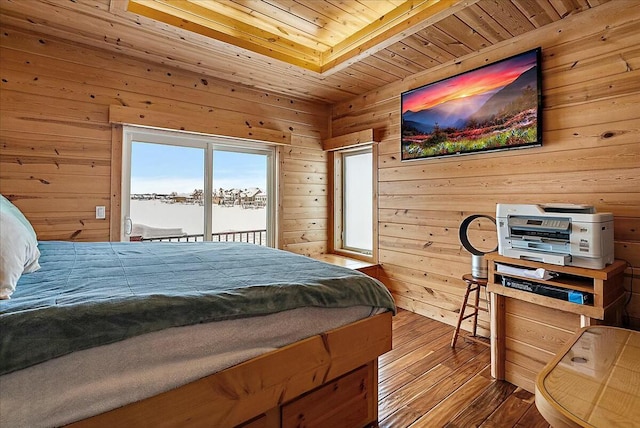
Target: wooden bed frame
330, 379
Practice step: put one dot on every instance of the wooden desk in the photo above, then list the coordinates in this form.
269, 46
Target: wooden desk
594, 381
529, 329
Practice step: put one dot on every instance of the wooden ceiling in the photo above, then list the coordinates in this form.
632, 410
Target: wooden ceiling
325, 51
316, 35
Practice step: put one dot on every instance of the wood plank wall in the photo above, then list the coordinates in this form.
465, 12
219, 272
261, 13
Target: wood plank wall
55, 138
591, 155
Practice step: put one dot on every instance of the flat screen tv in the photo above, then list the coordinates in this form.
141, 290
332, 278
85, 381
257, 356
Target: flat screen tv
494, 107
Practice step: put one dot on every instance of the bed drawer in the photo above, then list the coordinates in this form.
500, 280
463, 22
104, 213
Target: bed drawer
341, 403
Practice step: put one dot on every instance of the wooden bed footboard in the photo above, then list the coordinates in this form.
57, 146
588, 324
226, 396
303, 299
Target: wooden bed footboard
326, 380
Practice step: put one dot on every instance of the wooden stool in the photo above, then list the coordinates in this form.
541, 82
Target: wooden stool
473, 284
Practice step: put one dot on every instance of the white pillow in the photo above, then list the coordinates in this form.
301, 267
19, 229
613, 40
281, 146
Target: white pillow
6, 207
18, 253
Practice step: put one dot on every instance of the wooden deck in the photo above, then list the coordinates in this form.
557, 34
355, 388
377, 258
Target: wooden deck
425, 383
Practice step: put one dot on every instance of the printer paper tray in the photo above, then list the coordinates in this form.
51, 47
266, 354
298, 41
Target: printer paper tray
538, 273
547, 246
538, 256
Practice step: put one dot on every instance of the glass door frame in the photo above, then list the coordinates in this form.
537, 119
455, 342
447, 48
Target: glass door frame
208, 143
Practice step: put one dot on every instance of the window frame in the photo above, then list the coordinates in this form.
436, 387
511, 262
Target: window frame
336, 217
209, 143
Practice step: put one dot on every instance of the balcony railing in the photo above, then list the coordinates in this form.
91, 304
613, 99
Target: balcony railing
258, 237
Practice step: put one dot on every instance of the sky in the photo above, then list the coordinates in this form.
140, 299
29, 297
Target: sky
486, 79
159, 168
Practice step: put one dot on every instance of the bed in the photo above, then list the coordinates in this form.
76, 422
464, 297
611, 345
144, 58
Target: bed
190, 334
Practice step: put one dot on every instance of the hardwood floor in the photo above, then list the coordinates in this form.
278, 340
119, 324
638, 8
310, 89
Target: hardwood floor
425, 383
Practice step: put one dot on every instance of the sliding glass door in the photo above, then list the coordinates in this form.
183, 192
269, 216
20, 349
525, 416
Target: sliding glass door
167, 191
240, 195
186, 187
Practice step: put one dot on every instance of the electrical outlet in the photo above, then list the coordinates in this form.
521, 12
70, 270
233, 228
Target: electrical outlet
100, 213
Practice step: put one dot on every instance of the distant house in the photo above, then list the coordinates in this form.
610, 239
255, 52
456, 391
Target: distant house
231, 197
180, 198
261, 200
249, 197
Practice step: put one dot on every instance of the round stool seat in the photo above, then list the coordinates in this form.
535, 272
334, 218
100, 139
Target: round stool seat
471, 280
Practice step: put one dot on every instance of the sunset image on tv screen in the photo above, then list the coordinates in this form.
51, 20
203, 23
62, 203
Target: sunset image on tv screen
490, 108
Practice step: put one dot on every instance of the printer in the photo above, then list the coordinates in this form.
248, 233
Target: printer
560, 234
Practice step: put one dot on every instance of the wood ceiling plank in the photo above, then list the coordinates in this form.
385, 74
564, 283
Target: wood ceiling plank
576, 6
505, 12
374, 74
299, 33
399, 60
594, 3
458, 30
278, 15
408, 19
382, 64
564, 7
550, 10
192, 17
419, 43
483, 23
297, 10
340, 19
381, 7
395, 2
417, 57
540, 13
445, 42
353, 80
356, 9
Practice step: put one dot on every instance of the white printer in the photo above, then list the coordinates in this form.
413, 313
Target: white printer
561, 234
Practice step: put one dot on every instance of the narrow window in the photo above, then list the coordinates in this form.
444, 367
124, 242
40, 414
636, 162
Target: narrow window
353, 202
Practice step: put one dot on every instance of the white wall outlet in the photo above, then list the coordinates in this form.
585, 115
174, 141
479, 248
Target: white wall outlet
101, 213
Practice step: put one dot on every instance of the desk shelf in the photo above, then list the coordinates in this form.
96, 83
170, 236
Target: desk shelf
604, 284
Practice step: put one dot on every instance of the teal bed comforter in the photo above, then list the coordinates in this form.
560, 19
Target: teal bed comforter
91, 294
